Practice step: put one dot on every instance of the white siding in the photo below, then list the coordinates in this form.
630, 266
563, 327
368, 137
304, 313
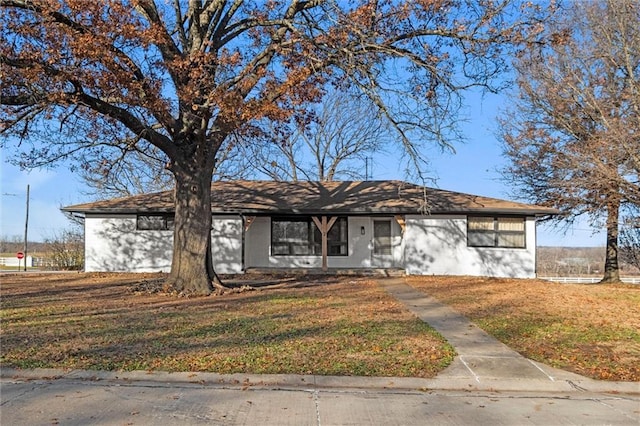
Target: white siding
430, 245
226, 244
438, 245
258, 247
113, 244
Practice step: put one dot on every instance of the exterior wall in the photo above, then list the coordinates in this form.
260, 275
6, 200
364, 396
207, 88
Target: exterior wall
430, 245
438, 245
226, 244
113, 244
258, 247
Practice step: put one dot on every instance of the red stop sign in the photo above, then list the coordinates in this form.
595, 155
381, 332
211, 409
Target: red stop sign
20, 255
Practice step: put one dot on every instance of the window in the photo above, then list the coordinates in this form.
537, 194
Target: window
154, 222
299, 236
496, 232
382, 237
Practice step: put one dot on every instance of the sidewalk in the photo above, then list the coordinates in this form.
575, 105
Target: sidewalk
484, 363
193, 399
488, 383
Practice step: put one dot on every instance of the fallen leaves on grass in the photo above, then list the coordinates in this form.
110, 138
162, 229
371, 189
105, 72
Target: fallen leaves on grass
327, 325
593, 330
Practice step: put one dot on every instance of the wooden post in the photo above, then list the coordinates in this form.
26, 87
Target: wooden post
324, 226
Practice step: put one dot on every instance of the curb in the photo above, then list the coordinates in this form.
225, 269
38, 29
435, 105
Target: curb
312, 382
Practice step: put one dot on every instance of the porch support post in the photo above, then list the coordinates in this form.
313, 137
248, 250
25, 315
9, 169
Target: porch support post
324, 226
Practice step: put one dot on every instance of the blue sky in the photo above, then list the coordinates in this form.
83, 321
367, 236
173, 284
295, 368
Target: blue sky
472, 169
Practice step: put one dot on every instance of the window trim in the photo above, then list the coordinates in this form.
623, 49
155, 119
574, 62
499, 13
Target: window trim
167, 219
497, 232
314, 246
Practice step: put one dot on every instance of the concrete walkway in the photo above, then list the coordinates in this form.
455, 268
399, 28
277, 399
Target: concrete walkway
487, 384
484, 363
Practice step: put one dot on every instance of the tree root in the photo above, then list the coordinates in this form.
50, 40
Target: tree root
167, 287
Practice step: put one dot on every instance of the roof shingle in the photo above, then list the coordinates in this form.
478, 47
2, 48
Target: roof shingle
304, 197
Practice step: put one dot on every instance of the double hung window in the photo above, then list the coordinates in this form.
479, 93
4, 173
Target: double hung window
486, 231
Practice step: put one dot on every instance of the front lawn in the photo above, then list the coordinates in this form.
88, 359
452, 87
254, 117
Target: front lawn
342, 326
593, 330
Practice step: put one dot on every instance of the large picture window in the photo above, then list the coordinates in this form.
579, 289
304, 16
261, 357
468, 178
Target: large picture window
154, 222
484, 231
299, 236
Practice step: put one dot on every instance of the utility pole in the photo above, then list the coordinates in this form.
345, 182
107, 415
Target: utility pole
26, 228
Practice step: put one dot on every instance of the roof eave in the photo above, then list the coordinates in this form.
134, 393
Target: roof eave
342, 212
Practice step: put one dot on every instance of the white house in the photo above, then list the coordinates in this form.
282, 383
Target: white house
369, 225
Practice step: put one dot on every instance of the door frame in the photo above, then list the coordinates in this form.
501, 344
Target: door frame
382, 260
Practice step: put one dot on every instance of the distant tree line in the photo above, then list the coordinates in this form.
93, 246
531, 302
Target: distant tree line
64, 250
579, 261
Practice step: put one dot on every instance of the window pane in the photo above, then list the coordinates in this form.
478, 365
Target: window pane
481, 239
300, 249
480, 223
337, 238
150, 222
289, 237
510, 224
511, 240
382, 237
292, 232
337, 249
279, 248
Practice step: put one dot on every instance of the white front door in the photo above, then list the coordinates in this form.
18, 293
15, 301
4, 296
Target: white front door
382, 254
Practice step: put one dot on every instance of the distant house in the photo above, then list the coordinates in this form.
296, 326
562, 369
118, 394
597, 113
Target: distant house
369, 225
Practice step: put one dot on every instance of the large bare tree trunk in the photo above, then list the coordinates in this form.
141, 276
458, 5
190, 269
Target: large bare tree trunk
611, 269
190, 268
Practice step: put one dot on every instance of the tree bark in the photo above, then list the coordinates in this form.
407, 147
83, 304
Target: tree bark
190, 267
611, 269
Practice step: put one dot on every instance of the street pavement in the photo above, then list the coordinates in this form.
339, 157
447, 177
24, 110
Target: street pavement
487, 384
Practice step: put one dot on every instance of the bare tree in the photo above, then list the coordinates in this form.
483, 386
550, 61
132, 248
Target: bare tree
141, 171
571, 136
65, 249
125, 173
630, 242
340, 133
183, 76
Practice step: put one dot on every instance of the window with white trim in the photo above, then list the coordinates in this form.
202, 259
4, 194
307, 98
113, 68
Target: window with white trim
154, 222
299, 236
487, 231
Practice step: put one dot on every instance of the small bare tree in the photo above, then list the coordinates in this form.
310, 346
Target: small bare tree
65, 249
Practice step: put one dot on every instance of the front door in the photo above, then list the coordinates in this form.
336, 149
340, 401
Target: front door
382, 255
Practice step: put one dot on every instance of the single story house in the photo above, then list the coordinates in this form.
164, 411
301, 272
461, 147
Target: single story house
329, 225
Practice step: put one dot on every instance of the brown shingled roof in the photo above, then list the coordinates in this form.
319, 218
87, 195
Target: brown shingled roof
367, 197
